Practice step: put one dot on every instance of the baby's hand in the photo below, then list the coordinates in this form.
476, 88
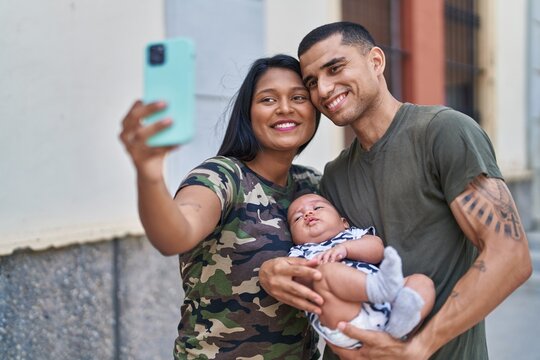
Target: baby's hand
335, 254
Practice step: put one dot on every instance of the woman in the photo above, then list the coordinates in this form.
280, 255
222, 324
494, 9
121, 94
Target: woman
229, 216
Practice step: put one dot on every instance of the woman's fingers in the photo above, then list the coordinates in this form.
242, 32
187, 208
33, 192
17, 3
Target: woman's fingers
283, 278
138, 112
303, 304
133, 132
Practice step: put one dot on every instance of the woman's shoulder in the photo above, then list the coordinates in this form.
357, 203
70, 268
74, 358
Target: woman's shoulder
215, 171
221, 164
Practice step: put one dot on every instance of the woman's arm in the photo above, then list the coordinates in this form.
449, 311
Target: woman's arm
176, 226
172, 226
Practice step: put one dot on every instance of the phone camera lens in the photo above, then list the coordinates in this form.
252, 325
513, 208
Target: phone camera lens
156, 54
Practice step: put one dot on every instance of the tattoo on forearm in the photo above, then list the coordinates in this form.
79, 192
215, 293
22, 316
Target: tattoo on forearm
480, 265
497, 204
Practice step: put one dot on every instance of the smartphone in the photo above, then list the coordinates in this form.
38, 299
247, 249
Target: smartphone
169, 75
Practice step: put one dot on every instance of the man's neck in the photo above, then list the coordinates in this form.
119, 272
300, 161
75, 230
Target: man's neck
371, 127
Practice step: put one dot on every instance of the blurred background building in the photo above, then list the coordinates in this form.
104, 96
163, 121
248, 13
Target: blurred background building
78, 280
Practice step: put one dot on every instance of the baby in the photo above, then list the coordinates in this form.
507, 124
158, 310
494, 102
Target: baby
372, 298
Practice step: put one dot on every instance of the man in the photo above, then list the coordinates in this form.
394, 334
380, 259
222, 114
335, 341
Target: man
427, 179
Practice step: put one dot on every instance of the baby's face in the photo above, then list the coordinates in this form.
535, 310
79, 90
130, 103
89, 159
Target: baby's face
312, 219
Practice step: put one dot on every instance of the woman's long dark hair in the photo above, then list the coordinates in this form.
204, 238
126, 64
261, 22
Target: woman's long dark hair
239, 140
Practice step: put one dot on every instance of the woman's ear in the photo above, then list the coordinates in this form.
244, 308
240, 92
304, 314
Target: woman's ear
345, 223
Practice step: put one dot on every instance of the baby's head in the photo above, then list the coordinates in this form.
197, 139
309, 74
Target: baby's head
312, 219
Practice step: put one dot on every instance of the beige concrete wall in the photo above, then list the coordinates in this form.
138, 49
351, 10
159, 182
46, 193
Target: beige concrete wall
503, 52
286, 23
69, 71
511, 85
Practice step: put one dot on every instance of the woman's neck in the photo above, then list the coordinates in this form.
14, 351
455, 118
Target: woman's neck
273, 167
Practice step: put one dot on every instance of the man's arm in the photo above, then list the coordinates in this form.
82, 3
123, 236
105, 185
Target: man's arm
487, 214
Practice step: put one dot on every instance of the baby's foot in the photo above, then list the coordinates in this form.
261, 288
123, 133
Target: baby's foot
405, 313
384, 285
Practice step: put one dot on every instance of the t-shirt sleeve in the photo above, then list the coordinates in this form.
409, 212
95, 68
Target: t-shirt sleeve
220, 175
461, 151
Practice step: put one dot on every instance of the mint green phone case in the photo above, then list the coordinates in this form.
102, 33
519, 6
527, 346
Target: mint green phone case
169, 75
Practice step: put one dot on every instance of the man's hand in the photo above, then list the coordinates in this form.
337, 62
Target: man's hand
278, 277
377, 345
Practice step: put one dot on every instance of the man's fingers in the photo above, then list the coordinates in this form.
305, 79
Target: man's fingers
347, 354
364, 336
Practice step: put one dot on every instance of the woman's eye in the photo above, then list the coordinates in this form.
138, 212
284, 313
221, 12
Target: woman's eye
268, 100
297, 218
317, 207
299, 98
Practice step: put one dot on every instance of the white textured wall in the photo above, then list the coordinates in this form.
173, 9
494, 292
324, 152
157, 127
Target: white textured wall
286, 24
68, 72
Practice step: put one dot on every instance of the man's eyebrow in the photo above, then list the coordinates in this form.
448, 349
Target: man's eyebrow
332, 62
324, 66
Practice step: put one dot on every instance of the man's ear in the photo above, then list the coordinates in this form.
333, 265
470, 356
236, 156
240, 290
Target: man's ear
377, 58
345, 223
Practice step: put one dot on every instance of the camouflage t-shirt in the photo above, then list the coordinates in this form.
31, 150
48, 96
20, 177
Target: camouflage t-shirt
226, 314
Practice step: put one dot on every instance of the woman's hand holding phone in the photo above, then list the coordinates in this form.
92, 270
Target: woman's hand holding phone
148, 160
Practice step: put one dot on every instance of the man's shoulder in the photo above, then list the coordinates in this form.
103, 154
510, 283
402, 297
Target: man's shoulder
438, 114
431, 121
341, 160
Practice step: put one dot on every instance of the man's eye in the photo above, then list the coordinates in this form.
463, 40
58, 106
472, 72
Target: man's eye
297, 218
311, 84
335, 69
317, 207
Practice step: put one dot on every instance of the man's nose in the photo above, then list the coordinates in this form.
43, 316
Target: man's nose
325, 87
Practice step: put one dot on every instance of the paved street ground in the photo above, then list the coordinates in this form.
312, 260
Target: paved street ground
513, 329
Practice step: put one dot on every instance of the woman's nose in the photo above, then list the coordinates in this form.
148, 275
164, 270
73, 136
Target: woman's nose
284, 107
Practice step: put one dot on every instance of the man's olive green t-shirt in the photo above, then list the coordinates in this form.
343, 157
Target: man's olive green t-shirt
404, 185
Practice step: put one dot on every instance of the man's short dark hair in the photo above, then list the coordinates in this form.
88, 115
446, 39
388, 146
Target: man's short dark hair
352, 34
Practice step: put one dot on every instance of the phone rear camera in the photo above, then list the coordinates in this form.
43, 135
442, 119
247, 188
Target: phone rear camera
156, 54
